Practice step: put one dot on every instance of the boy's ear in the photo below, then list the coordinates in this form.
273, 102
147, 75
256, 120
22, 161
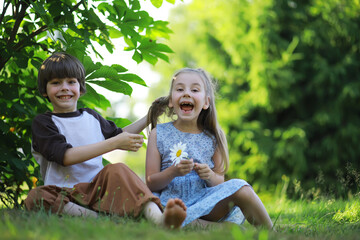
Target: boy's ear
207, 103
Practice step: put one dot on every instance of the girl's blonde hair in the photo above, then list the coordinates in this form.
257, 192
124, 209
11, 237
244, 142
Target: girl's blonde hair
207, 120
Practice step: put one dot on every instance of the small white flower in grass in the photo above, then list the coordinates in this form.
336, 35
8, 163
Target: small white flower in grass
178, 152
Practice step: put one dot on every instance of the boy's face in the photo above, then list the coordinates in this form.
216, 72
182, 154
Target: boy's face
63, 94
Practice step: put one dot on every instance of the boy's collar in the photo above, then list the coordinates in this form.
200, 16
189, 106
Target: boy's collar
68, 114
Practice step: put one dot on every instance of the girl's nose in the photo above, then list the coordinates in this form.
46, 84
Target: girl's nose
187, 92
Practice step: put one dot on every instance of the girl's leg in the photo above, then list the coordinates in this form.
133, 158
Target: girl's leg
249, 203
252, 207
173, 216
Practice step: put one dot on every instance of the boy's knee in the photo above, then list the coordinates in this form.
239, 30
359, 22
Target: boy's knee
48, 198
34, 199
116, 168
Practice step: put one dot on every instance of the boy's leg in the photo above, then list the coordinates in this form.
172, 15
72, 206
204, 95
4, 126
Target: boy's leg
49, 198
77, 210
115, 190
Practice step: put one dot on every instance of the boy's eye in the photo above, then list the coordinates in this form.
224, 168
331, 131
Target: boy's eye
179, 89
195, 90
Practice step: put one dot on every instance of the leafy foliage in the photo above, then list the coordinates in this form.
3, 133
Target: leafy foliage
289, 88
29, 32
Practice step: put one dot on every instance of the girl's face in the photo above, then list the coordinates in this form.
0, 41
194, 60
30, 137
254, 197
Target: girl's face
63, 94
188, 96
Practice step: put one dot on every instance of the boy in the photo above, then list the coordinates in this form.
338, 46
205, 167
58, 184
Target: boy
68, 143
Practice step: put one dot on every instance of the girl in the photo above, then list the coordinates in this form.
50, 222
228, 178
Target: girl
187, 158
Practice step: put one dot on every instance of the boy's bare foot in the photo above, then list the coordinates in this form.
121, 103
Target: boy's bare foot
174, 214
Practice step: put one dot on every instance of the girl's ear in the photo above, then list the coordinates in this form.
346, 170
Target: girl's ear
207, 103
44, 95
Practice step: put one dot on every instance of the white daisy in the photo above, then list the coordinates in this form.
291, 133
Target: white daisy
178, 152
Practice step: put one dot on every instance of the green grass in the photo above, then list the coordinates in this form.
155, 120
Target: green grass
325, 219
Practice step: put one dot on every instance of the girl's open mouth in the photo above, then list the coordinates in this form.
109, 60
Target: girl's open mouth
186, 107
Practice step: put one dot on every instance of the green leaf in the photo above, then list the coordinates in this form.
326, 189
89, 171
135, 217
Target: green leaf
162, 56
118, 68
163, 48
157, 3
91, 94
93, 99
4, 127
103, 72
130, 77
38, 7
114, 33
137, 57
89, 65
149, 57
115, 86
120, 122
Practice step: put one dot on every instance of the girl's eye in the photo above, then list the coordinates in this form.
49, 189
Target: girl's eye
195, 90
179, 89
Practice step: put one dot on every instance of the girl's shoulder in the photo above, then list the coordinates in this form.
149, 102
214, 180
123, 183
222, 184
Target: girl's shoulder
164, 126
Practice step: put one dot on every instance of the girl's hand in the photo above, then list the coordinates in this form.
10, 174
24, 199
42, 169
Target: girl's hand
203, 171
129, 141
184, 167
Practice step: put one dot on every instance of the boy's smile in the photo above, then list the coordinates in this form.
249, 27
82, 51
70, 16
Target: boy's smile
63, 94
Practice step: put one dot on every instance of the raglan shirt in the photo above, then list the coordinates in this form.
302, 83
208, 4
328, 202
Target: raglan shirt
54, 133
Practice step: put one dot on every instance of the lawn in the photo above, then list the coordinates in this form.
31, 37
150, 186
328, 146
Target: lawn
321, 219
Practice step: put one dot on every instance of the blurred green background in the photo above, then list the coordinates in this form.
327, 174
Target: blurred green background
288, 77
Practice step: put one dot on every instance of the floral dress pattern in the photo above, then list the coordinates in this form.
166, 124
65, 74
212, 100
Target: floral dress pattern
191, 189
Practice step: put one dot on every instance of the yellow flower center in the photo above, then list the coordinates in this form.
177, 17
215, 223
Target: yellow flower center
178, 153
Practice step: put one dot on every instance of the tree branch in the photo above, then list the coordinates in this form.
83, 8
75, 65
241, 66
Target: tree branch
19, 19
5, 6
20, 45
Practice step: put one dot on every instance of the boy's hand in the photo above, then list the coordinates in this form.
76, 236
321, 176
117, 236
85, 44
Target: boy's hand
184, 167
203, 171
129, 141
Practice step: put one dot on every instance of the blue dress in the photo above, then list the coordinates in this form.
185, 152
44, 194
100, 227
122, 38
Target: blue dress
191, 189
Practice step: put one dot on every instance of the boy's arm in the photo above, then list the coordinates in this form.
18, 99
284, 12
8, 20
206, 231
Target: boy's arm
123, 141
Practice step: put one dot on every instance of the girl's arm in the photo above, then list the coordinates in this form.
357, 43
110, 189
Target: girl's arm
157, 180
211, 177
137, 126
123, 141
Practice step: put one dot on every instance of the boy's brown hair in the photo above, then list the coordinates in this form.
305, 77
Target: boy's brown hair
61, 65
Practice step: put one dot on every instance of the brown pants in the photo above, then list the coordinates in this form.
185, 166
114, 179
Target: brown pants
116, 189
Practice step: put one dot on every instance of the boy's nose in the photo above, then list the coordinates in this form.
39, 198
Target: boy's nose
65, 86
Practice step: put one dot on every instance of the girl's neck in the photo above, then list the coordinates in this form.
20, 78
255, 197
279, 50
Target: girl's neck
189, 127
